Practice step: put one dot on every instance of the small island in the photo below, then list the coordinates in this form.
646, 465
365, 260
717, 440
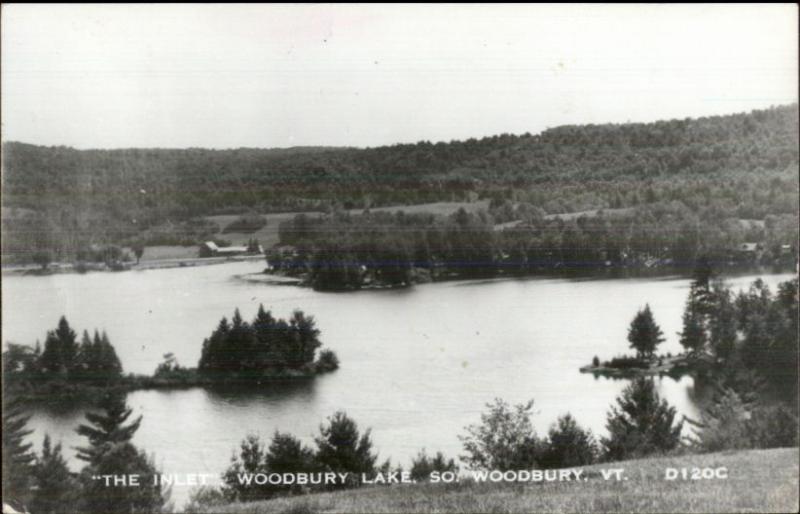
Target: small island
252, 354
628, 366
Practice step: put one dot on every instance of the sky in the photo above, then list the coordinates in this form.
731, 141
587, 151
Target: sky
229, 76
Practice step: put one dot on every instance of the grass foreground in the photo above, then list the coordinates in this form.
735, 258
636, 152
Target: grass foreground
758, 481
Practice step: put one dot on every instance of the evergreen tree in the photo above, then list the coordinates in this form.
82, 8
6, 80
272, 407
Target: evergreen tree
109, 367
56, 487
640, 424
17, 457
756, 343
701, 278
307, 339
122, 459
107, 428
286, 454
213, 349
86, 357
693, 336
722, 324
568, 445
251, 461
238, 344
264, 349
342, 449
60, 350
644, 334
110, 452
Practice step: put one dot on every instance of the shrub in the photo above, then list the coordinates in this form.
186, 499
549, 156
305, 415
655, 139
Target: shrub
42, 258
203, 497
504, 439
247, 224
626, 362
422, 465
286, 454
568, 445
327, 361
729, 423
773, 426
249, 460
722, 424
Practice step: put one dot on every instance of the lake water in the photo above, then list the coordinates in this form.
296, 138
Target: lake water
417, 365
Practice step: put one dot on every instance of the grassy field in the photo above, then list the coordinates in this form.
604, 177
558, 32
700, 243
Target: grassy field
268, 234
758, 481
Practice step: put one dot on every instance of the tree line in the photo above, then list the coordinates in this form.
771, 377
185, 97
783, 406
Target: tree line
92, 360
640, 424
348, 251
747, 339
742, 351
62, 200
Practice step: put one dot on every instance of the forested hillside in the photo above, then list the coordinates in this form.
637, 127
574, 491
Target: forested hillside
744, 165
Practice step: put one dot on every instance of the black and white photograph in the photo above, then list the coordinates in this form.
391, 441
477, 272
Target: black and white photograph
399, 258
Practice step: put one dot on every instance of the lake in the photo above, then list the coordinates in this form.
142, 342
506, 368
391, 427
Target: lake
417, 365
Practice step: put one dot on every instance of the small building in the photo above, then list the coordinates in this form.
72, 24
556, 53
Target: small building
750, 252
750, 248
208, 249
211, 249
228, 251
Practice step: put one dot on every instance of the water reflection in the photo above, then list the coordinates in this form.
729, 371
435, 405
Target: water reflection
242, 394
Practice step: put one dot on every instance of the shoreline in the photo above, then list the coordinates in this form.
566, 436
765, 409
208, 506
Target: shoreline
277, 278
28, 394
69, 268
673, 366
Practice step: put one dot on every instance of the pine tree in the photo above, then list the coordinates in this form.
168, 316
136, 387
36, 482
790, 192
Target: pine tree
286, 454
109, 367
568, 445
213, 348
722, 324
85, 357
60, 350
238, 344
110, 452
644, 334
307, 339
107, 428
641, 423
250, 460
122, 459
56, 486
17, 457
693, 336
341, 448
264, 351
